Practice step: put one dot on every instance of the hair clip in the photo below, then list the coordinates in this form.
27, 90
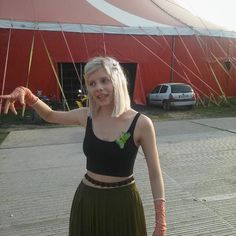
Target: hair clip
114, 65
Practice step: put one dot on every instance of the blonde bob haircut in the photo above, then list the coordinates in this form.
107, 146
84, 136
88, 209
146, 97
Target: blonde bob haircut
119, 81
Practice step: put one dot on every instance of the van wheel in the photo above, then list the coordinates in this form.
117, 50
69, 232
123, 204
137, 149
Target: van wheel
166, 105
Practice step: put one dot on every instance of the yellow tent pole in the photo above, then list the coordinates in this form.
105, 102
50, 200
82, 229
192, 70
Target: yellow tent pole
186, 79
104, 44
167, 63
181, 65
221, 90
149, 50
5, 67
54, 71
72, 58
186, 48
29, 69
212, 71
221, 50
85, 43
222, 67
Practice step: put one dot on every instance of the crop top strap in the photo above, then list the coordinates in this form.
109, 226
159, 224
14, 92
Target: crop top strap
89, 123
132, 126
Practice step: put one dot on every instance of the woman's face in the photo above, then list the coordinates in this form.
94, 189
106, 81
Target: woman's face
100, 87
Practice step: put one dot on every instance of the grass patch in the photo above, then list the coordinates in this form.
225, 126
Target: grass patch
11, 121
222, 110
17, 119
3, 135
208, 111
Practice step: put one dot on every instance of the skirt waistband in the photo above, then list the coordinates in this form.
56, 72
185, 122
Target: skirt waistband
105, 184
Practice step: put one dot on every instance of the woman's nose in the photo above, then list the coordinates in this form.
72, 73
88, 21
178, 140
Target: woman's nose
99, 86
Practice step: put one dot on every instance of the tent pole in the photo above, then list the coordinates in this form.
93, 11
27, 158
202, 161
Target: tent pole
192, 59
223, 68
221, 48
168, 64
182, 65
72, 58
29, 69
219, 86
85, 43
62, 81
172, 58
54, 71
104, 45
5, 67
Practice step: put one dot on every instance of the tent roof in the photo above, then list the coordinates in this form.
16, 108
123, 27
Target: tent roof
109, 16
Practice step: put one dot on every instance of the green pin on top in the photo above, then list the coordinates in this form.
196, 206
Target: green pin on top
123, 139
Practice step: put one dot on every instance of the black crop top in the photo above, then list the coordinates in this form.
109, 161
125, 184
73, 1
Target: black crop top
114, 158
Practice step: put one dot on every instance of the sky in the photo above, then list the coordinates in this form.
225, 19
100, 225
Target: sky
221, 12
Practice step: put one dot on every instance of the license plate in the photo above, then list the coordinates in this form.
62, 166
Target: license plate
183, 96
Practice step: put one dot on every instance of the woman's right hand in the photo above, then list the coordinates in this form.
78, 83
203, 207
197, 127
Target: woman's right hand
21, 94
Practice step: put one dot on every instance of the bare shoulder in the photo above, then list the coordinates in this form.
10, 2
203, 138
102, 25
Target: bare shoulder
144, 122
144, 129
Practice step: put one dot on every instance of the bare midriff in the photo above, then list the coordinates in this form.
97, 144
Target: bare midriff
103, 178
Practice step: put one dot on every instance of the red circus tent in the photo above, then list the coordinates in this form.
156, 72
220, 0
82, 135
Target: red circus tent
45, 44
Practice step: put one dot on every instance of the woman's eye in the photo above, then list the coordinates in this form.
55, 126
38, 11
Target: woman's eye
105, 80
92, 84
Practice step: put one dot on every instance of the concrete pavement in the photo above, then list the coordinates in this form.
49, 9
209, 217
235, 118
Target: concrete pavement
40, 170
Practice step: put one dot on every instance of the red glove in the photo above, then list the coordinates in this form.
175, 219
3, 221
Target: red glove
160, 228
23, 95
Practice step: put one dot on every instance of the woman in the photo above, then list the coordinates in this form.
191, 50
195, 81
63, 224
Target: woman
107, 201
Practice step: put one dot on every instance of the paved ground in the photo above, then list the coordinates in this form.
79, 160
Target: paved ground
40, 170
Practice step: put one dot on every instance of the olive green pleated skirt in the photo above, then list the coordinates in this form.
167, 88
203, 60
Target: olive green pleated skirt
107, 212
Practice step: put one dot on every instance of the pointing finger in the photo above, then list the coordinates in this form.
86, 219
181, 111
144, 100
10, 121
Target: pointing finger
12, 107
7, 105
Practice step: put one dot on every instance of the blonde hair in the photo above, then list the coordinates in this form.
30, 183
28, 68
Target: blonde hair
119, 81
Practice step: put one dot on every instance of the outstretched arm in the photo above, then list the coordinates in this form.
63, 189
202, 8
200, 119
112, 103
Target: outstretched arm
148, 144
25, 96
